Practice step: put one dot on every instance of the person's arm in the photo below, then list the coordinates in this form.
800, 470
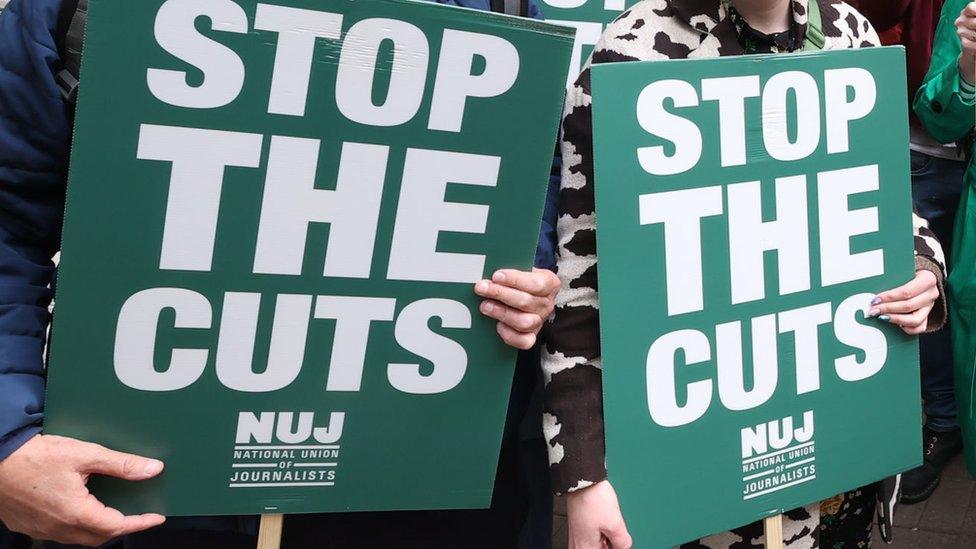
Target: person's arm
34, 130
573, 418
940, 105
574, 399
883, 14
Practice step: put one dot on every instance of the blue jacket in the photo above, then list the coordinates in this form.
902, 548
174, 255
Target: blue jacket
35, 131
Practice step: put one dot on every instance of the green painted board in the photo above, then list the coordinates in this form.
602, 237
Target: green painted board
758, 205
276, 214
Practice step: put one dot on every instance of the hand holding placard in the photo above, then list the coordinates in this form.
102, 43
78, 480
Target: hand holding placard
58, 469
909, 305
520, 302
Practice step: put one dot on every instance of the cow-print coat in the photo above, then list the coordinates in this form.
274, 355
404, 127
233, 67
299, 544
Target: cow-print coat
573, 420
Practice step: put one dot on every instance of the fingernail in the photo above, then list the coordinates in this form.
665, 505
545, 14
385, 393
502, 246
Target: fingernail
876, 300
153, 467
874, 312
486, 307
483, 286
499, 277
885, 318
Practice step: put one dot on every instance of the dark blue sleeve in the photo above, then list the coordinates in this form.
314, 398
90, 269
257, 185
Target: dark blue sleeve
34, 135
534, 11
545, 251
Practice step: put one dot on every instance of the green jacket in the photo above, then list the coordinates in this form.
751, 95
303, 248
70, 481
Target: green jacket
947, 118
938, 103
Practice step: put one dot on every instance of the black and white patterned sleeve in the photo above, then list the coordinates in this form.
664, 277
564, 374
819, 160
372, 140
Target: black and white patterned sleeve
573, 419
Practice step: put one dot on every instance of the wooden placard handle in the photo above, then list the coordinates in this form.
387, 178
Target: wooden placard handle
269, 535
774, 532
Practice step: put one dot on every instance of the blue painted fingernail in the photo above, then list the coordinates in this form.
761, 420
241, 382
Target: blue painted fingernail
876, 300
885, 318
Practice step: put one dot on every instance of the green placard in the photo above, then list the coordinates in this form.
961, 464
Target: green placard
758, 205
275, 218
589, 18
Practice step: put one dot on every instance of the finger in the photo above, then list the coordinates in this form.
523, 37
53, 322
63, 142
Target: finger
915, 286
137, 523
517, 320
918, 330
539, 282
926, 298
102, 461
515, 339
970, 10
108, 523
905, 292
517, 299
912, 320
619, 537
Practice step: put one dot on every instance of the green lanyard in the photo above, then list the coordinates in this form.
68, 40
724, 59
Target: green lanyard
814, 39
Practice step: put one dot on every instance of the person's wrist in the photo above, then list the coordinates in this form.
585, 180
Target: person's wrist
967, 68
17, 440
582, 493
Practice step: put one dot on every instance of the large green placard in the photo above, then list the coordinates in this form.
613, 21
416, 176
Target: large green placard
757, 205
276, 214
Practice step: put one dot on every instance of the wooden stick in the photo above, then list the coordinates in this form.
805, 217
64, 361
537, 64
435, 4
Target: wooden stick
774, 532
269, 535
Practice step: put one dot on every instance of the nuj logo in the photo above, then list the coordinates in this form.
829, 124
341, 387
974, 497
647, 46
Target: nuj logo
776, 435
287, 428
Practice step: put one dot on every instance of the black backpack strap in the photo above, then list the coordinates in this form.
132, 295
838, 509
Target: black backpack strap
66, 13
70, 35
518, 8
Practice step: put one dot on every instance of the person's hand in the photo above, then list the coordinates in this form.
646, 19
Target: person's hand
595, 521
520, 301
44, 493
908, 306
966, 30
